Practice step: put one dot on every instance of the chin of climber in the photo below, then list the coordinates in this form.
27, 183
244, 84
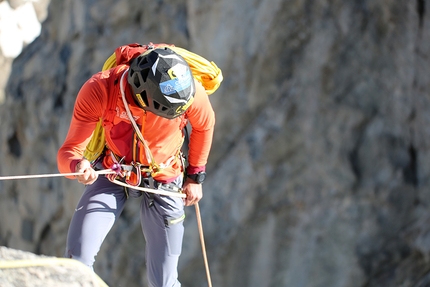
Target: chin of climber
144, 106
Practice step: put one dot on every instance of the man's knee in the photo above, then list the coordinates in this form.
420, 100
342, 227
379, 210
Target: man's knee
87, 260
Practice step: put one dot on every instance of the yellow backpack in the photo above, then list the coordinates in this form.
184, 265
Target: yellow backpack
204, 71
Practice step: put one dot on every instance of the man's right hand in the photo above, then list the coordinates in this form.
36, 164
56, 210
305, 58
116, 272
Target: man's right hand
89, 175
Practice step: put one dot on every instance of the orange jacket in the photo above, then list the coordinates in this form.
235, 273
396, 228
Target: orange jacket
164, 136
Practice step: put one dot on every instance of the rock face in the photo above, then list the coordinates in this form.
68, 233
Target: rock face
319, 174
19, 268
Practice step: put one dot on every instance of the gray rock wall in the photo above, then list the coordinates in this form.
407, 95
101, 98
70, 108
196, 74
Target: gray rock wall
319, 174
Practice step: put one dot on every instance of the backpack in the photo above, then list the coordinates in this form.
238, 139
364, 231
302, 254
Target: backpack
207, 73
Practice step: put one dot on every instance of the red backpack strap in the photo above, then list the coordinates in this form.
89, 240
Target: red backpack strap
126, 53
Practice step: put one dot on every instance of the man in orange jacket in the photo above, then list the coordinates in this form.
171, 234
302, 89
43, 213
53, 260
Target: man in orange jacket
154, 99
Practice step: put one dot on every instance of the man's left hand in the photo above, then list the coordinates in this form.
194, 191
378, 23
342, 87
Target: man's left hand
193, 191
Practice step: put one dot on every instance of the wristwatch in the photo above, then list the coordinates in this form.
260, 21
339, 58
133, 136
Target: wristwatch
197, 177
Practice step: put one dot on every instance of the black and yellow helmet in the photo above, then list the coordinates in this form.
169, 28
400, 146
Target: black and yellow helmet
162, 82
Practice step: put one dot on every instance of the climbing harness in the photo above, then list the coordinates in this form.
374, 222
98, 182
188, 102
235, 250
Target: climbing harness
131, 176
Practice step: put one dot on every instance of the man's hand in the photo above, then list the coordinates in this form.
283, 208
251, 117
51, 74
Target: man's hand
89, 175
193, 191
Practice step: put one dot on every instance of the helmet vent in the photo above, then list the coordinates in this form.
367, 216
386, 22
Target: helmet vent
144, 98
144, 74
143, 61
136, 81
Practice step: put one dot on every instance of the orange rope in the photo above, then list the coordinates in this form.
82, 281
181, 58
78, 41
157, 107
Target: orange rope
202, 240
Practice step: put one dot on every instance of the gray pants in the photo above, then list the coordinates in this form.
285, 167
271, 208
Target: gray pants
162, 225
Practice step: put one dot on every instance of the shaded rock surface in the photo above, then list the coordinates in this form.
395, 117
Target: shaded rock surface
319, 174
31, 270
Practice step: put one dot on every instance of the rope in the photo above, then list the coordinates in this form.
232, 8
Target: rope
156, 191
207, 73
44, 262
153, 165
9, 264
202, 240
106, 171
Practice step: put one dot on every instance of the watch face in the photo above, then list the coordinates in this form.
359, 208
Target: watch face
198, 177
201, 177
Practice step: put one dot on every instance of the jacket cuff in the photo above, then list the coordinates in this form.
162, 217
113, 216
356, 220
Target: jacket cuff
195, 169
73, 164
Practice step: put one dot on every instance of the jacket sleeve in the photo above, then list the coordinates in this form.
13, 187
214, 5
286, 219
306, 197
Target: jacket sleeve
202, 120
88, 109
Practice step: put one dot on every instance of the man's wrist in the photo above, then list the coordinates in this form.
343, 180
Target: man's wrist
195, 169
198, 177
74, 165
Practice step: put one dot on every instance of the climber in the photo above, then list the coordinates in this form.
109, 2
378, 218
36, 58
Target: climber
153, 99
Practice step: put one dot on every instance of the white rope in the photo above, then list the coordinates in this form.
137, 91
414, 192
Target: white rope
156, 191
106, 171
133, 122
139, 134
